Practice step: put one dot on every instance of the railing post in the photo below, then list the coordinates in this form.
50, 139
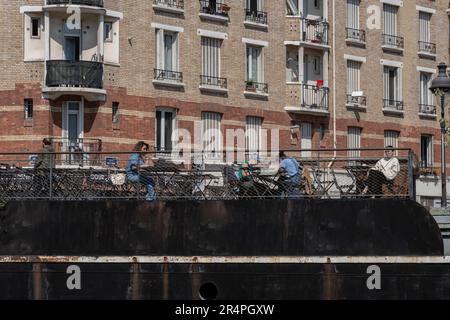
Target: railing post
412, 189
51, 180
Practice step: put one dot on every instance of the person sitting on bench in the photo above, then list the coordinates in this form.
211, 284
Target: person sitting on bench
384, 172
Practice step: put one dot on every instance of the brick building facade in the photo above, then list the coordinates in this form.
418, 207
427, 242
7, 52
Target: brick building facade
318, 71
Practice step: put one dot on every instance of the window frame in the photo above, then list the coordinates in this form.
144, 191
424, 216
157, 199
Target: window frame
162, 143
28, 108
109, 38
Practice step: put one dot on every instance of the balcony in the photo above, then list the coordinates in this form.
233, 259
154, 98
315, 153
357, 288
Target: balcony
355, 36
427, 111
255, 18
393, 106
356, 102
213, 84
74, 77
313, 100
393, 43
168, 78
314, 32
173, 6
76, 150
214, 10
94, 3
256, 89
427, 49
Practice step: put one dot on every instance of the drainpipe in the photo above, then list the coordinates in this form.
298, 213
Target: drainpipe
334, 77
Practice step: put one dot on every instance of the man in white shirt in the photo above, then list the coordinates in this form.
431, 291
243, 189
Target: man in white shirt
384, 171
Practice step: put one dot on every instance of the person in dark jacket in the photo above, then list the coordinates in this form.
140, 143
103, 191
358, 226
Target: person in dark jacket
46, 159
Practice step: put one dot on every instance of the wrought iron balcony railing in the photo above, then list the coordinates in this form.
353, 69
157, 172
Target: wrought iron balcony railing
393, 104
259, 87
177, 4
393, 41
65, 73
427, 47
213, 81
315, 97
214, 7
427, 109
356, 34
314, 31
256, 16
168, 75
356, 100
77, 151
95, 3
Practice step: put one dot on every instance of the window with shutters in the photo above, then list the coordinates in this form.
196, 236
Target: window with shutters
354, 95
306, 141
354, 142
255, 70
391, 39
392, 83
425, 44
167, 57
165, 125
426, 97
353, 29
211, 63
391, 139
253, 128
426, 151
212, 135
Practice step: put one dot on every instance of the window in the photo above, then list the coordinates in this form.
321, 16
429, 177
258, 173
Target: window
211, 134
390, 19
391, 139
108, 31
167, 50
392, 88
353, 76
253, 134
353, 14
317, 4
292, 7
426, 151
35, 28
165, 125
292, 66
254, 5
28, 108
115, 112
354, 141
322, 131
316, 64
254, 64
306, 142
210, 61
426, 98
424, 27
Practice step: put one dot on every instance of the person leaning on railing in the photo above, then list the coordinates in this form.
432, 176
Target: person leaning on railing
384, 172
43, 164
136, 162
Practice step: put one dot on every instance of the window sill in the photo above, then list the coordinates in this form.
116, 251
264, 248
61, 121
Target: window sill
356, 107
256, 25
393, 112
355, 42
27, 123
215, 89
392, 49
427, 115
213, 17
167, 9
426, 55
307, 111
260, 95
169, 83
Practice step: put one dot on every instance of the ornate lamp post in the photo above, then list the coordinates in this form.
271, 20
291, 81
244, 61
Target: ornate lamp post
440, 86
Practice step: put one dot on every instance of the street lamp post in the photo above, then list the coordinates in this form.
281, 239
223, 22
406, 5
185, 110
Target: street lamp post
440, 86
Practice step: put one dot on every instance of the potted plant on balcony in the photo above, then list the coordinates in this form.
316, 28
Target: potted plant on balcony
249, 86
225, 8
318, 37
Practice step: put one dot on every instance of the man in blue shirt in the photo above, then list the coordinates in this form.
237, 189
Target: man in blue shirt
290, 172
135, 163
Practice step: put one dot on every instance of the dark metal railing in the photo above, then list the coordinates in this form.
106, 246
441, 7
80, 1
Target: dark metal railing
77, 151
356, 34
169, 75
256, 87
393, 104
213, 81
214, 7
65, 73
427, 109
356, 100
314, 31
427, 47
393, 41
96, 3
315, 97
178, 4
256, 16
191, 177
